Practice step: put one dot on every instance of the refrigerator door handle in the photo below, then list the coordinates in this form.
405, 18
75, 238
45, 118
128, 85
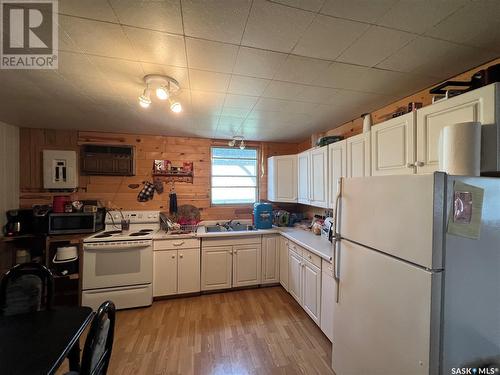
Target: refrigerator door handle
337, 239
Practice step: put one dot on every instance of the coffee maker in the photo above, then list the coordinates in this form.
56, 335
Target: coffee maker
19, 222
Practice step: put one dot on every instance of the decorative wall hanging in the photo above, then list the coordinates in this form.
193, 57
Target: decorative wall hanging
174, 173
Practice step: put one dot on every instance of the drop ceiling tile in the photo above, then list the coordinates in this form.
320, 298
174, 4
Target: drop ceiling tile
213, 56
301, 69
118, 69
157, 47
435, 58
258, 63
359, 10
208, 81
316, 94
284, 90
327, 37
280, 105
247, 85
240, 101
234, 112
178, 73
419, 16
229, 122
274, 26
94, 9
72, 63
95, 37
312, 5
477, 24
219, 20
204, 102
359, 78
375, 45
162, 15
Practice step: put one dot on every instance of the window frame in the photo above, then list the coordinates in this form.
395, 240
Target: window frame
257, 177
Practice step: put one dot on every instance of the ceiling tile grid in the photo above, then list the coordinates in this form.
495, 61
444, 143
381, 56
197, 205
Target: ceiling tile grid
270, 70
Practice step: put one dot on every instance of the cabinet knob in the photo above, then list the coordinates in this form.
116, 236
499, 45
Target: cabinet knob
309, 256
419, 163
410, 165
235, 251
181, 255
173, 256
230, 251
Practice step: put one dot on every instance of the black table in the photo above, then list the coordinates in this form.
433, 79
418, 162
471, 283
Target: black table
37, 343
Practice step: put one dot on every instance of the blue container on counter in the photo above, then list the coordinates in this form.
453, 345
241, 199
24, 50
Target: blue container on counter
263, 215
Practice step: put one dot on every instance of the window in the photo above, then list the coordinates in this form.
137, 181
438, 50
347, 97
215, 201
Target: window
234, 175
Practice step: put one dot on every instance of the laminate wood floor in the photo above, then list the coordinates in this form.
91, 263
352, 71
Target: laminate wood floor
252, 331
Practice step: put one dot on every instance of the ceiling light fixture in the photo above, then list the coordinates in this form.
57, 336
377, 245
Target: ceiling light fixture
166, 88
235, 140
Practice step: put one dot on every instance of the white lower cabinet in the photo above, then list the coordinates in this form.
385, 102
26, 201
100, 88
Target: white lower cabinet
176, 271
216, 267
327, 299
304, 280
271, 259
246, 265
311, 290
231, 262
283, 268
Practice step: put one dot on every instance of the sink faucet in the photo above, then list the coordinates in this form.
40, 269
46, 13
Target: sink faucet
227, 225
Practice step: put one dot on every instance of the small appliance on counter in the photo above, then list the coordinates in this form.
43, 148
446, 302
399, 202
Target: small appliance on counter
327, 229
76, 222
19, 222
263, 215
281, 218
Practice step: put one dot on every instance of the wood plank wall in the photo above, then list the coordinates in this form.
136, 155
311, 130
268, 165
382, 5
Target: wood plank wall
114, 191
9, 170
355, 126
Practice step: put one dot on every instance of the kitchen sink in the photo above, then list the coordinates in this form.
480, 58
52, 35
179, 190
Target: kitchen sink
236, 227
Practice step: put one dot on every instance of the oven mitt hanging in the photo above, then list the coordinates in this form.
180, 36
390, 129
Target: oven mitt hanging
146, 193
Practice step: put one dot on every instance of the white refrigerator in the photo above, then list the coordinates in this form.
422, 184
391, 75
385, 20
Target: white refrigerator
410, 298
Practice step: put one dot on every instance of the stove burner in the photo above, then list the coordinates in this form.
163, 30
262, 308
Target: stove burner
108, 233
146, 230
138, 234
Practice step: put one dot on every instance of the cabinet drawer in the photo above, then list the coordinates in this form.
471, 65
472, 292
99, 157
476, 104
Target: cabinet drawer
327, 267
312, 258
292, 246
231, 241
181, 243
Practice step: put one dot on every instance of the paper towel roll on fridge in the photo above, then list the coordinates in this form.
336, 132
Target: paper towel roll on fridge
460, 149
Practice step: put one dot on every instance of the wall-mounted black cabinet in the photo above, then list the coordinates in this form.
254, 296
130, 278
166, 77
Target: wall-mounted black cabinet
107, 160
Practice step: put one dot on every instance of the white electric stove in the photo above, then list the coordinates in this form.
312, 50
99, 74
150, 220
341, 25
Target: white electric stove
118, 265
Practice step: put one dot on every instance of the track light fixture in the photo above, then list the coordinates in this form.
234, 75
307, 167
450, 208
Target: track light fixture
165, 87
237, 138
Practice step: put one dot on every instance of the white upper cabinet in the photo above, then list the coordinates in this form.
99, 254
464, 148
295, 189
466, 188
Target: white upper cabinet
477, 105
393, 146
282, 178
337, 154
358, 155
303, 177
319, 177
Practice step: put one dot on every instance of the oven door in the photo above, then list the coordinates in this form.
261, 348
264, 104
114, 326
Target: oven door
113, 264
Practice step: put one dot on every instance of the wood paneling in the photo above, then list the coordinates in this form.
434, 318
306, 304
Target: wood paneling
355, 126
115, 192
9, 170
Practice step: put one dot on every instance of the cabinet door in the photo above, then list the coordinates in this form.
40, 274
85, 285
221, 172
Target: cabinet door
216, 267
311, 290
295, 276
477, 105
165, 273
319, 177
246, 265
327, 304
286, 178
270, 259
188, 270
336, 168
284, 262
393, 146
358, 155
303, 177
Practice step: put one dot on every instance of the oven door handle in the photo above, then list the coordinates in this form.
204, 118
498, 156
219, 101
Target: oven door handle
116, 246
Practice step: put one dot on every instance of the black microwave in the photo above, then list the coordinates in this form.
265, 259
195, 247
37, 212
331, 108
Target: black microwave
76, 222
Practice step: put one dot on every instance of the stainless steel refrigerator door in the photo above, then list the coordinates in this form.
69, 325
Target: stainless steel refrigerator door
398, 215
384, 316
471, 324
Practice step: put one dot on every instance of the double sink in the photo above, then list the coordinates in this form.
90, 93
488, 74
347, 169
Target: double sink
229, 227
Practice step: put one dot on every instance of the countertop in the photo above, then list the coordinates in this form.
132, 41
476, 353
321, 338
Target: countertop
314, 243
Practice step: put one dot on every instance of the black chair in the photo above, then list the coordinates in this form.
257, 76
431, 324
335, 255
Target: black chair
26, 287
99, 342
